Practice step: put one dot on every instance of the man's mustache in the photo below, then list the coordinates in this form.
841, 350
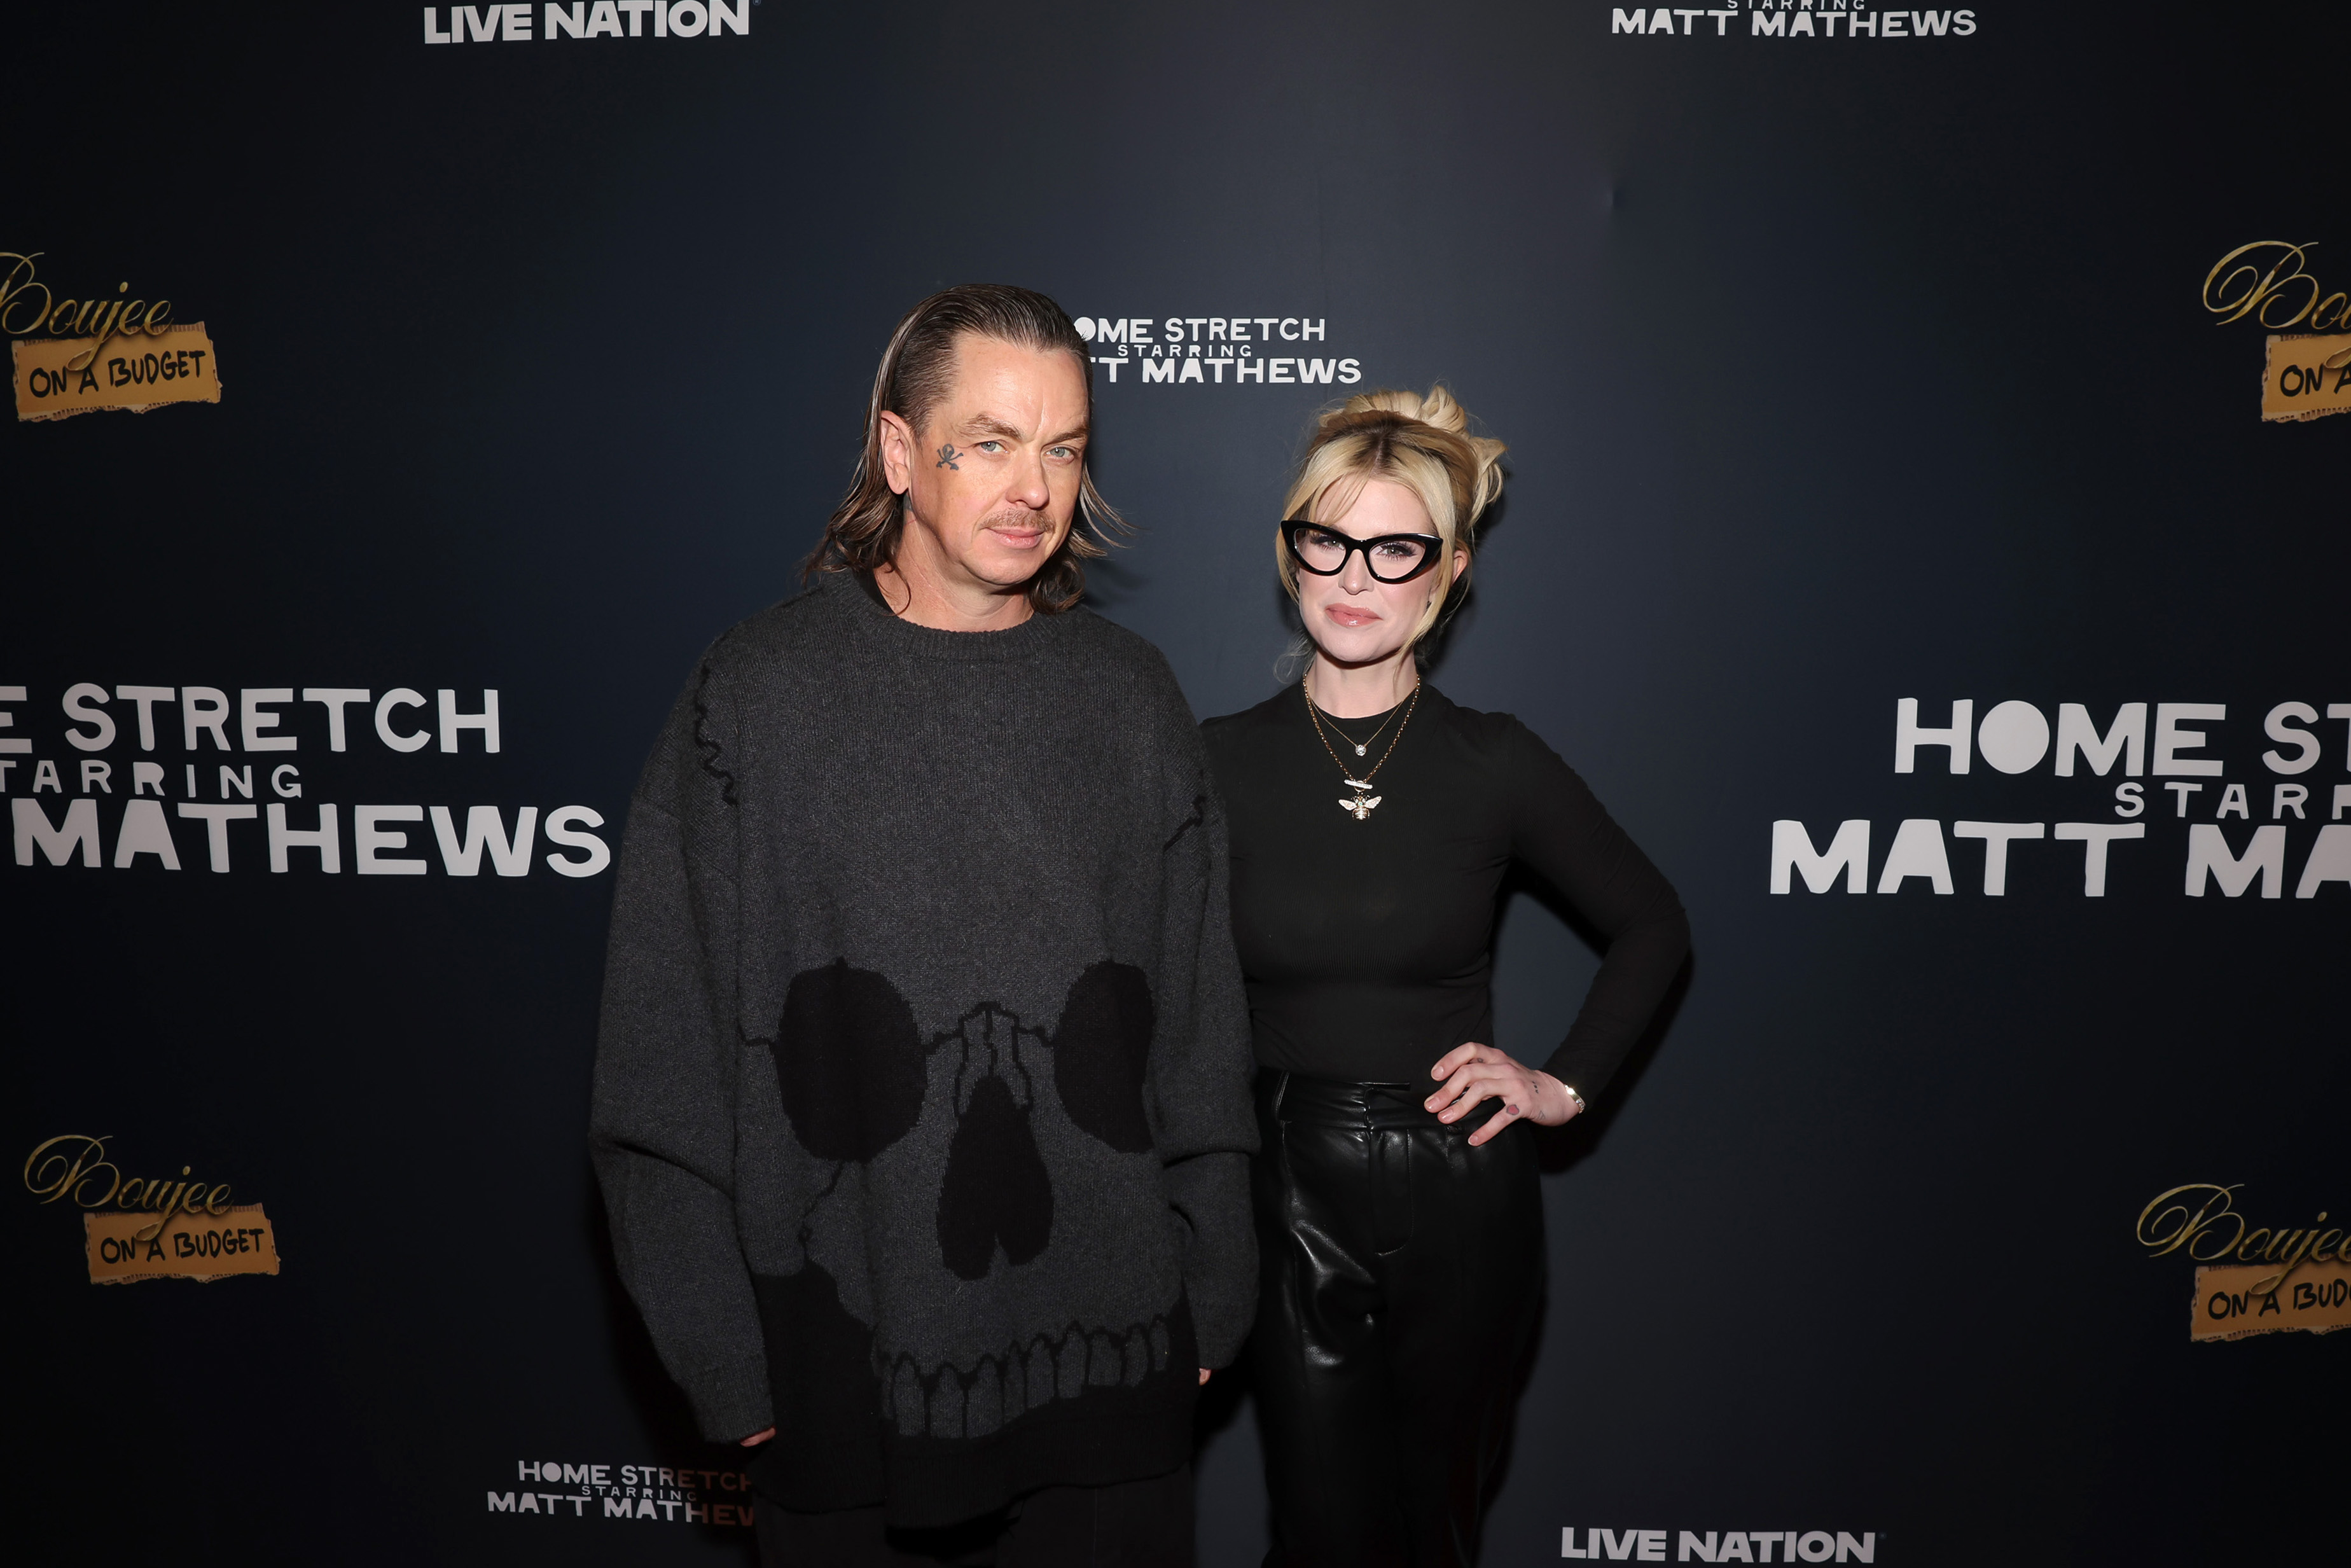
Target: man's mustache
1018, 517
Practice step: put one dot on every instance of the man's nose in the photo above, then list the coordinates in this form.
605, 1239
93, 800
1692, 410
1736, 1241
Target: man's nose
1028, 485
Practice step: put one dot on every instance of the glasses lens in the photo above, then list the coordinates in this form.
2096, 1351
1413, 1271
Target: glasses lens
1320, 549
1395, 559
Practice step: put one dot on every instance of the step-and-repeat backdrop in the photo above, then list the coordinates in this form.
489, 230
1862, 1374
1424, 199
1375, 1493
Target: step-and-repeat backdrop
1926, 530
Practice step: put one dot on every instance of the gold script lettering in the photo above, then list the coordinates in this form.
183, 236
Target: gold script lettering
110, 319
72, 1163
109, 323
2164, 1230
70, 1169
2247, 290
2191, 1225
13, 288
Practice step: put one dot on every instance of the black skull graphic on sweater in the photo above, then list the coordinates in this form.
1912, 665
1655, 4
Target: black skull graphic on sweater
855, 1076
852, 1070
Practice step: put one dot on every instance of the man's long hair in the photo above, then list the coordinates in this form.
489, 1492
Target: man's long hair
916, 370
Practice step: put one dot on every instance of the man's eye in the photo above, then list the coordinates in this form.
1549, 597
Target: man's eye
991, 446
1061, 452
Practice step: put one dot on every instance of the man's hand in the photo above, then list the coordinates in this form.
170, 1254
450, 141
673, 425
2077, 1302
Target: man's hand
1204, 1378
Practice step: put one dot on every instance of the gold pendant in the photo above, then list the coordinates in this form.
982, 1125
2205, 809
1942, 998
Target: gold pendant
1361, 805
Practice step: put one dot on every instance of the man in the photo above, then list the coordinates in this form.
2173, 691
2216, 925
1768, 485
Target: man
922, 1100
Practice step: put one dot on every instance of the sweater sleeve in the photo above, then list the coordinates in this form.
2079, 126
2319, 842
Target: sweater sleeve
1560, 830
1201, 1063
662, 1128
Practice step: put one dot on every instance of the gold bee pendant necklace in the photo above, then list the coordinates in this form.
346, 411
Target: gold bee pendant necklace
1361, 806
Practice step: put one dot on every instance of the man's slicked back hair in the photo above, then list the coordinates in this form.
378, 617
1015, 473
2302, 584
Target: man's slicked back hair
917, 371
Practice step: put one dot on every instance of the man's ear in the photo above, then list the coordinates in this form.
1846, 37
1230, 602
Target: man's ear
897, 453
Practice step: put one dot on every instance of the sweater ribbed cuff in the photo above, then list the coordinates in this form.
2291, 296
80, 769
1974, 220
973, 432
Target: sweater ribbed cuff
730, 1403
1220, 1266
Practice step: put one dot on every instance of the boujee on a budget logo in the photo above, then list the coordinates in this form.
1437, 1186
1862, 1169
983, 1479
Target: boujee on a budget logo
137, 1227
2251, 1279
2272, 282
71, 352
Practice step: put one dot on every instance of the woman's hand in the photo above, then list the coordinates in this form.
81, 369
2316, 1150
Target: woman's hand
1473, 1073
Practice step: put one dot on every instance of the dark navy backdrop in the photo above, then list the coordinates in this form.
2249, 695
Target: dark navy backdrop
1835, 371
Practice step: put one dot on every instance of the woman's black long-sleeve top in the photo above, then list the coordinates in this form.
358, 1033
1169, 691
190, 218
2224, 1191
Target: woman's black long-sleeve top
1368, 943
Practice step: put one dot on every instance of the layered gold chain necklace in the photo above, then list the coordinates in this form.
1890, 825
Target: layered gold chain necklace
1365, 800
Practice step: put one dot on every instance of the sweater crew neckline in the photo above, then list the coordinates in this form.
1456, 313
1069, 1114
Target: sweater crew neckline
874, 619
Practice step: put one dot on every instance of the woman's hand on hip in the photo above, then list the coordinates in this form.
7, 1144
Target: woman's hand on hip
1473, 1073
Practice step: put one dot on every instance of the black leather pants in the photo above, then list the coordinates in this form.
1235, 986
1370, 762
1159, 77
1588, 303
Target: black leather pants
1402, 1273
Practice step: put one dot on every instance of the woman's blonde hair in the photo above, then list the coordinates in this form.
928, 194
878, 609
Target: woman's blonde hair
1422, 443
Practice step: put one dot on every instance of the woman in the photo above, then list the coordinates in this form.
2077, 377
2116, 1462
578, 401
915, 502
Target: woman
1372, 819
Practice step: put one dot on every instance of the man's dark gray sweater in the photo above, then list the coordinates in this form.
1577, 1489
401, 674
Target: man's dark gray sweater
922, 1090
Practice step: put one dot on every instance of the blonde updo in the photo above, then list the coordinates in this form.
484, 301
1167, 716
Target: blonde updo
1422, 443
